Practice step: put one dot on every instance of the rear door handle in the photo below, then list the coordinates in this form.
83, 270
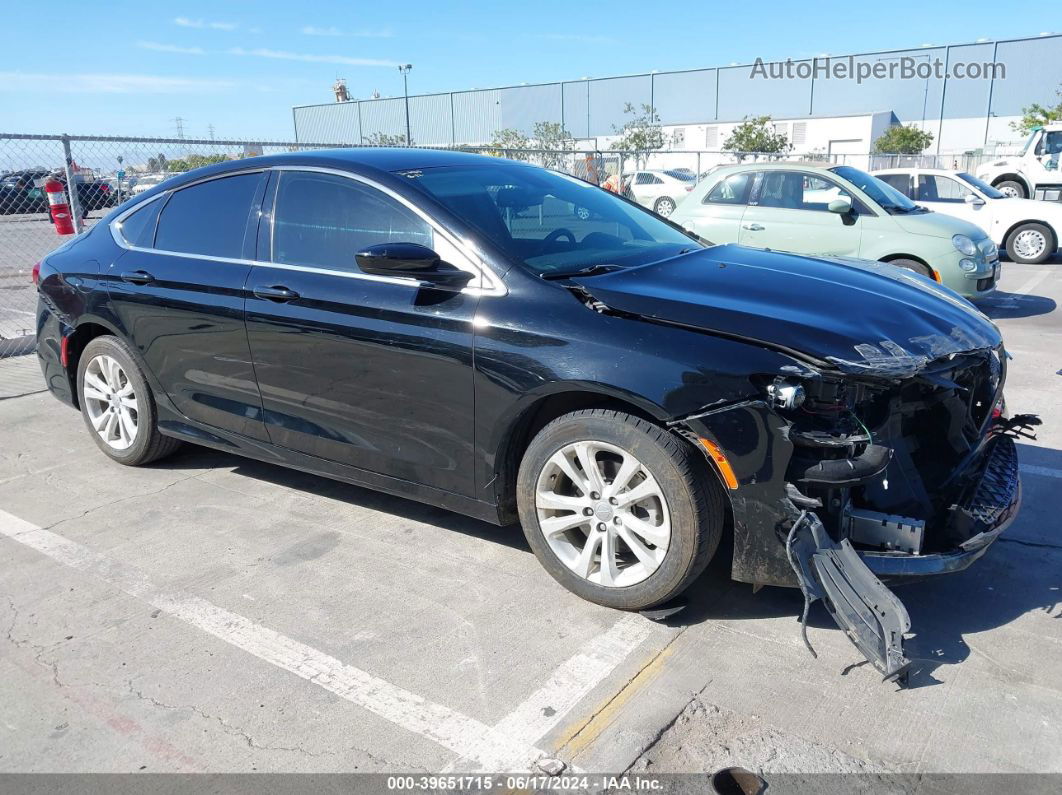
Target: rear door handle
276, 293
138, 277
752, 227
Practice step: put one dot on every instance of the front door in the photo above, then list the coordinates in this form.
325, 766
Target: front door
367, 371
788, 211
178, 290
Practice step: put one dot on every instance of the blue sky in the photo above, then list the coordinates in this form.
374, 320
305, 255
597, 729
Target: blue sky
130, 68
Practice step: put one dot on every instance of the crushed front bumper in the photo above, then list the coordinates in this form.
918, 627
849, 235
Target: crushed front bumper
847, 581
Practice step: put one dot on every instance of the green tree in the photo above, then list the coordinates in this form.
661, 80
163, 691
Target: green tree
510, 143
553, 140
641, 133
383, 139
902, 140
1037, 115
194, 161
756, 135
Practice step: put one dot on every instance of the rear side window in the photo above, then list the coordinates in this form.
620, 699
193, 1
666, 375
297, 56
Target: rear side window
323, 220
732, 190
209, 218
138, 228
902, 182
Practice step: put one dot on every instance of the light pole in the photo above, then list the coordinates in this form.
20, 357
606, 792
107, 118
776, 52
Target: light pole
404, 69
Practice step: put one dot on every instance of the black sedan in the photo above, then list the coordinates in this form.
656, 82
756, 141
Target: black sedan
447, 327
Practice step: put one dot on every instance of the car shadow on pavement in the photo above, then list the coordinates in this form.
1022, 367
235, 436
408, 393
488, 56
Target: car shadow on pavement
1006, 306
1010, 581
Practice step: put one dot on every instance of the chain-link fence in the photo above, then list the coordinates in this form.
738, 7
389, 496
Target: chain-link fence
107, 171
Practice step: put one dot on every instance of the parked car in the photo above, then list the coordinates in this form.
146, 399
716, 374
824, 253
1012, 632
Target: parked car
381, 317
23, 192
1027, 229
839, 211
660, 191
1033, 174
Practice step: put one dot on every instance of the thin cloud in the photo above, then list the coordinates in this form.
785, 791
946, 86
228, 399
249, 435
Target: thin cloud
284, 55
185, 22
110, 83
174, 48
332, 30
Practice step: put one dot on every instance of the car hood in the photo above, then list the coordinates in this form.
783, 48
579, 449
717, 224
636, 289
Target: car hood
860, 316
937, 225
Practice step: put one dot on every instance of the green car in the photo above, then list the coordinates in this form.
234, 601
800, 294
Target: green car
838, 211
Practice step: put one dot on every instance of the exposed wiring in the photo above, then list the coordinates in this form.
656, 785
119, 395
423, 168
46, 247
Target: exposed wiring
870, 436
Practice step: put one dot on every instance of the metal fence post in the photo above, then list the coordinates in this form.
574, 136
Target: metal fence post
71, 187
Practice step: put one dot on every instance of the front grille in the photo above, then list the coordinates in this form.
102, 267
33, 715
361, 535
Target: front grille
993, 496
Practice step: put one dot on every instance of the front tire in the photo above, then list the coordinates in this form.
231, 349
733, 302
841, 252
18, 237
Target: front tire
1030, 244
911, 265
619, 511
117, 404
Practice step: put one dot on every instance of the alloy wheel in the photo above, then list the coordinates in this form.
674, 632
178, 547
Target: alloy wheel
1030, 244
665, 207
110, 401
603, 513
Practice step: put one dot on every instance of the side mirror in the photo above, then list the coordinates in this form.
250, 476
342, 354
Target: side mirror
842, 205
411, 261
974, 199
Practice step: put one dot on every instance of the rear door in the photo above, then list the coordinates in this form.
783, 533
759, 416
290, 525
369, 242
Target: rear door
178, 290
788, 211
368, 371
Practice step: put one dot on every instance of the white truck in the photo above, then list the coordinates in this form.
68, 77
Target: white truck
1034, 174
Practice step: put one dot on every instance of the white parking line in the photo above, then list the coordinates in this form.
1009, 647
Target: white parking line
1032, 283
1047, 472
508, 746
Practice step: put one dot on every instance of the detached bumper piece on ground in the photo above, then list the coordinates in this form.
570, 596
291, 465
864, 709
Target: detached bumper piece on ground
874, 619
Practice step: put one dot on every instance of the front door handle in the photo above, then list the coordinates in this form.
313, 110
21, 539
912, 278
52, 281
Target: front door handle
752, 227
138, 277
276, 293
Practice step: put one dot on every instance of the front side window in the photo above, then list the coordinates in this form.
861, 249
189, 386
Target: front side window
982, 186
793, 190
935, 188
731, 190
209, 218
323, 220
549, 222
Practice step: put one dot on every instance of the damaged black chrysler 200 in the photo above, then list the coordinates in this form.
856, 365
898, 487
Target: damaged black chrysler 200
509, 342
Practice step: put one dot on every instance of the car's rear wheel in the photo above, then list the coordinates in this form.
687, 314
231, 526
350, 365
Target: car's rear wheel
912, 265
664, 206
1030, 244
117, 404
618, 510
1012, 188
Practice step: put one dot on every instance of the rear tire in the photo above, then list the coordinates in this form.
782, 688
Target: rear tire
664, 206
117, 404
911, 265
1012, 188
660, 526
1031, 244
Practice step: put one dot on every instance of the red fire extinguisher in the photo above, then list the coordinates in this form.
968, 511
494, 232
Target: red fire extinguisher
59, 207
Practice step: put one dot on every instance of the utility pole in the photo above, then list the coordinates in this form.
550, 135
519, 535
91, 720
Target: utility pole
404, 69
210, 130
179, 124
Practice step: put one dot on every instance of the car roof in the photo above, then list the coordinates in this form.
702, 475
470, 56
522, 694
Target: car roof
909, 169
788, 165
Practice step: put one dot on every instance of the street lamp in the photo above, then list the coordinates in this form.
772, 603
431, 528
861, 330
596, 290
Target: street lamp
404, 69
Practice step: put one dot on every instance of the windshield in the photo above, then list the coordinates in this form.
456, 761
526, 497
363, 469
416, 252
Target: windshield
886, 196
552, 223
984, 187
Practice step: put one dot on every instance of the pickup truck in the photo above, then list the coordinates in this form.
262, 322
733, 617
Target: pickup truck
1033, 174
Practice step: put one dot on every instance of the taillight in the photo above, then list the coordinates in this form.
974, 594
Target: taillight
36, 274
105, 187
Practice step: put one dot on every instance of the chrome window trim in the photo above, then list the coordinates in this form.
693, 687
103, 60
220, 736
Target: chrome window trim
493, 284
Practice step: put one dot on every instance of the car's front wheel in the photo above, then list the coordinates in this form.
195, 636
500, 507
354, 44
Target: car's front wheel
117, 404
618, 510
1030, 244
